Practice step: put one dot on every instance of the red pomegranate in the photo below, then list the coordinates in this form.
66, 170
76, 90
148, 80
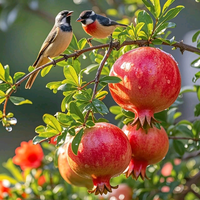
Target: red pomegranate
104, 152
68, 174
148, 147
150, 83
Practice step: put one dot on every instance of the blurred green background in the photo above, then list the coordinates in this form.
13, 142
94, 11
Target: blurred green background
21, 39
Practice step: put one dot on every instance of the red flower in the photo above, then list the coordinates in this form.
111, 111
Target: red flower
28, 155
4, 190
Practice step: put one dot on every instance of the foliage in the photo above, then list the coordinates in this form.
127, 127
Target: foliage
83, 106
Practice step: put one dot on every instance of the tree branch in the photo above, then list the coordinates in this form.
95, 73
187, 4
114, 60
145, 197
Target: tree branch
183, 138
115, 45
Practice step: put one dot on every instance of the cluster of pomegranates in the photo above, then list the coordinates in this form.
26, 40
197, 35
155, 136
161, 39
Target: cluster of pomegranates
150, 83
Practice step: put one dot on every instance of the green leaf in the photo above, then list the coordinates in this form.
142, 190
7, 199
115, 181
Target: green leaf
81, 97
70, 75
197, 110
19, 100
7, 72
82, 42
37, 139
172, 13
67, 87
52, 122
66, 101
40, 129
115, 110
196, 128
144, 17
166, 5
4, 86
65, 119
74, 43
2, 72
76, 141
75, 110
2, 94
187, 89
179, 147
195, 36
196, 63
157, 8
6, 177
101, 94
46, 70
161, 29
54, 86
196, 77
18, 75
110, 79
90, 68
99, 106
150, 7
13, 170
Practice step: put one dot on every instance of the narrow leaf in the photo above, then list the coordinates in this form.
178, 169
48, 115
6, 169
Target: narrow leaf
196, 63
18, 75
6, 177
157, 7
13, 170
52, 122
70, 75
179, 147
19, 100
46, 70
166, 5
37, 139
150, 7
197, 110
76, 141
110, 79
75, 110
82, 42
7, 72
99, 106
2, 72
195, 36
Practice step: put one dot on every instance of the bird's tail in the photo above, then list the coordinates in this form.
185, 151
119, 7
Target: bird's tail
33, 76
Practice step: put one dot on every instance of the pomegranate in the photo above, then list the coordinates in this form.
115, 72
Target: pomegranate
68, 174
148, 147
150, 83
104, 152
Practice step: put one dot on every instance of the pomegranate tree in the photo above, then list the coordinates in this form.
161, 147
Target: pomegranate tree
150, 83
147, 148
68, 174
104, 152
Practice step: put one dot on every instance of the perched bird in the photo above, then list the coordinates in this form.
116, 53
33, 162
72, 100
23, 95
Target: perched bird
96, 25
56, 42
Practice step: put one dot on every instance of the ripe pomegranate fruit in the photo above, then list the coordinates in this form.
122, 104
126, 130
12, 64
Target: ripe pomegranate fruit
68, 174
148, 147
150, 83
104, 152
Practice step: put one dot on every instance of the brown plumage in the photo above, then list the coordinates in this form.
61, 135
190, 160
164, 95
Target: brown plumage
56, 43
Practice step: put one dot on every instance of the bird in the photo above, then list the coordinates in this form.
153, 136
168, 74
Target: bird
55, 43
96, 25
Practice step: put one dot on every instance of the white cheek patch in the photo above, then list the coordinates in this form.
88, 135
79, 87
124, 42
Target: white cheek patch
63, 21
89, 21
93, 13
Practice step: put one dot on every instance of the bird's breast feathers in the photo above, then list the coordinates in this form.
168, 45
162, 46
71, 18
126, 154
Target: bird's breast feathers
60, 43
97, 30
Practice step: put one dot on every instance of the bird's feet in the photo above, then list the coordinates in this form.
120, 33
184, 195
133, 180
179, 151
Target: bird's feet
65, 56
89, 41
52, 60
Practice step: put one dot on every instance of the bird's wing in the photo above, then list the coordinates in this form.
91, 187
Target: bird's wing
50, 38
105, 21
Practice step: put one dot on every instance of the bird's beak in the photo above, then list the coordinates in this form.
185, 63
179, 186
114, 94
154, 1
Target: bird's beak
69, 13
79, 19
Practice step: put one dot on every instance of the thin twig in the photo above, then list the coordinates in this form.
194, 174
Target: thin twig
183, 138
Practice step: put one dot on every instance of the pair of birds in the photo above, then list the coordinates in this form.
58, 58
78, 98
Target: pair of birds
60, 36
